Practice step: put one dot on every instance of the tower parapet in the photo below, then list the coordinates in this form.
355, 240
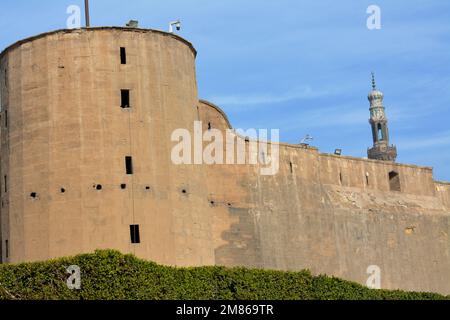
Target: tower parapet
381, 149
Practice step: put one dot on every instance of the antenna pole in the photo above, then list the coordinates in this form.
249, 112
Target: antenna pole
86, 8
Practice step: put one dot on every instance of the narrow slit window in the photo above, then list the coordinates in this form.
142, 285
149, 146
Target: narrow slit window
291, 167
134, 234
123, 55
4, 183
6, 118
6, 249
129, 165
125, 98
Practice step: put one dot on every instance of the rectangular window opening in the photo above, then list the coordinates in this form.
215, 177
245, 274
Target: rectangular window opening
4, 183
6, 249
6, 118
394, 181
134, 233
123, 55
129, 165
125, 98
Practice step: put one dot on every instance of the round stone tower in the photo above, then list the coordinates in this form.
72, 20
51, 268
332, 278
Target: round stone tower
86, 123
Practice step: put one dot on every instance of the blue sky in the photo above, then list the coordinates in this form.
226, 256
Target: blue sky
300, 66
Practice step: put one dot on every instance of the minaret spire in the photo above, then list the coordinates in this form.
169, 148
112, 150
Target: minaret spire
374, 86
381, 149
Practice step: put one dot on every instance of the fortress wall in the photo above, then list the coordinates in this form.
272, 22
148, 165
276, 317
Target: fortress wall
67, 130
304, 218
291, 223
337, 170
443, 192
305, 225
372, 174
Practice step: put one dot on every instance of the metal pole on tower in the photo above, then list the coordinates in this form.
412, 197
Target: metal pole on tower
86, 8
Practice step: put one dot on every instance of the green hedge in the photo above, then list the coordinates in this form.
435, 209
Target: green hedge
112, 275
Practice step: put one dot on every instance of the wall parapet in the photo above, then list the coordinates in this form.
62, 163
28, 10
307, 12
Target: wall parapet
126, 29
377, 161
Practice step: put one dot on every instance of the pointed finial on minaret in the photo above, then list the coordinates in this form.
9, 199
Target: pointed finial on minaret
374, 86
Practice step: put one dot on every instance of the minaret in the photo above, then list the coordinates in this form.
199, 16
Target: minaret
381, 149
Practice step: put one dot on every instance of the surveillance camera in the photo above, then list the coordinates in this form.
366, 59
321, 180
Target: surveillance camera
176, 24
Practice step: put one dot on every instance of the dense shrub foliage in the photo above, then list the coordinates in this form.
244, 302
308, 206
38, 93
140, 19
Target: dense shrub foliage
112, 275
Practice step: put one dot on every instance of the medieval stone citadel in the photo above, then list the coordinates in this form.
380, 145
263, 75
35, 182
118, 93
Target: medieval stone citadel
86, 123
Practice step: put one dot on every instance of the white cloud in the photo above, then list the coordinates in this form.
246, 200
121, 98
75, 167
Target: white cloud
437, 140
305, 92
